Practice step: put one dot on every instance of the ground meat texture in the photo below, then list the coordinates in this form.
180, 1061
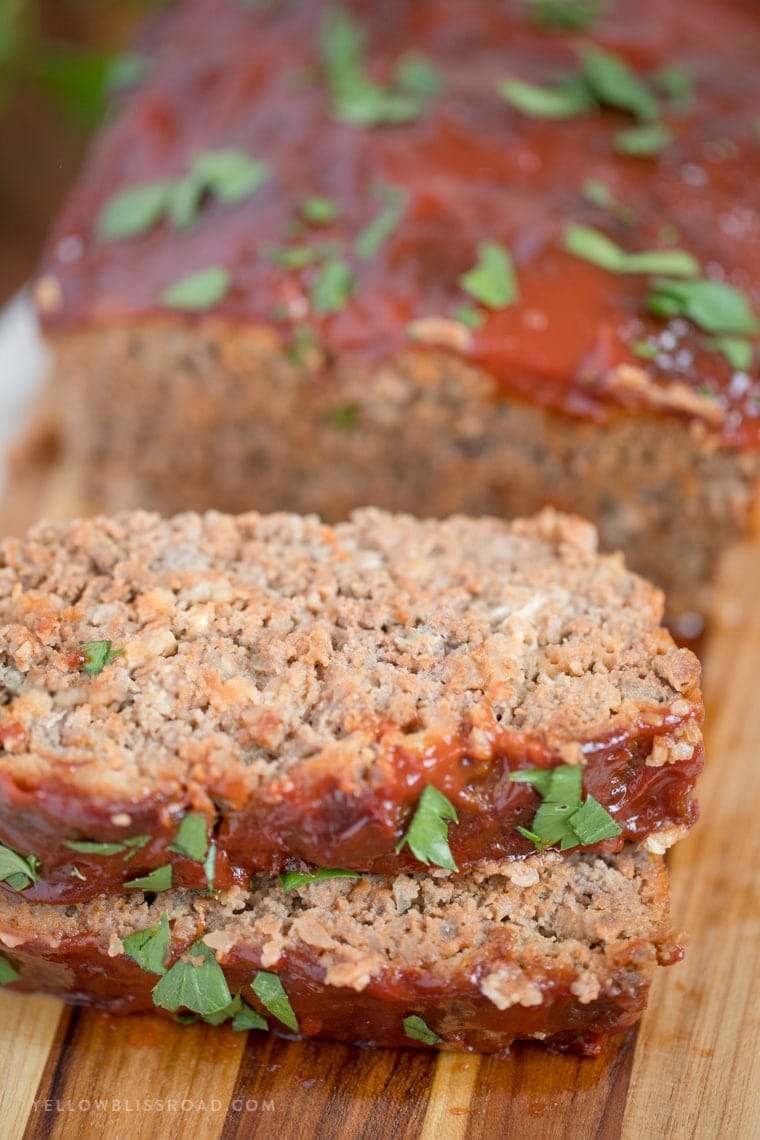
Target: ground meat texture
555, 950
298, 686
571, 393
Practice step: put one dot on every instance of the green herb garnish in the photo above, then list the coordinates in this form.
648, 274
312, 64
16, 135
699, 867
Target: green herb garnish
125, 71
77, 874
344, 417
149, 947
319, 210
271, 993
229, 176
428, 833
470, 316
198, 291
644, 349
644, 141
592, 245
96, 655
332, 287
209, 866
612, 82
565, 15
292, 879
246, 1018
492, 280
563, 817
567, 100
419, 1030
356, 97
675, 81
160, 879
135, 211
737, 351
195, 982
16, 871
393, 200
8, 972
711, 305
600, 194
192, 837
89, 847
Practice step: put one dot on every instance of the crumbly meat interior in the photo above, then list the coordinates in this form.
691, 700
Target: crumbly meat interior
262, 641
508, 923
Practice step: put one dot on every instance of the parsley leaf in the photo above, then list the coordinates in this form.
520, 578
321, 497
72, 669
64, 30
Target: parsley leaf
600, 194
90, 847
565, 101
133, 212
561, 15
394, 200
592, 245
8, 972
17, 872
192, 838
428, 833
159, 879
209, 865
96, 655
332, 287
247, 1018
643, 141
356, 97
149, 947
469, 316
271, 993
198, 291
492, 280
612, 82
195, 982
292, 879
711, 305
737, 351
562, 817
419, 1030
229, 175
319, 209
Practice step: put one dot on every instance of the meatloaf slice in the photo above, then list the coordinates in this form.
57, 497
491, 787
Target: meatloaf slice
291, 690
557, 950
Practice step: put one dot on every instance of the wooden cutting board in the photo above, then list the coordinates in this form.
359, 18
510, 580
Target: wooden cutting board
690, 1072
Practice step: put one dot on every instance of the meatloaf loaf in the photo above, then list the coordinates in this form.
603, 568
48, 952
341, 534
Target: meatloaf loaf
256, 691
558, 950
453, 255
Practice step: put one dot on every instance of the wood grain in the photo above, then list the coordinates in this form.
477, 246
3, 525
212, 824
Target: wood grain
689, 1074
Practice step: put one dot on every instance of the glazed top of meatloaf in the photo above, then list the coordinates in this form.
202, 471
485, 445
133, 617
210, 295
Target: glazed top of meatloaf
306, 683
400, 184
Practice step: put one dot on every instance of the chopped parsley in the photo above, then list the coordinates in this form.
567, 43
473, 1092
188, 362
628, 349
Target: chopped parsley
18, 872
149, 947
344, 417
469, 316
332, 287
242, 1015
565, 15
419, 1030
358, 99
209, 865
737, 351
643, 141
492, 279
393, 200
192, 837
712, 306
198, 291
95, 655
159, 879
271, 993
195, 982
8, 972
564, 817
592, 245
599, 193
567, 100
127, 847
292, 879
428, 833
644, 349
612, 82
319, 209
229, 176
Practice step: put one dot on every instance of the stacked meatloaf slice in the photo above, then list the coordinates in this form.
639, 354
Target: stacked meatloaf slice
388, 781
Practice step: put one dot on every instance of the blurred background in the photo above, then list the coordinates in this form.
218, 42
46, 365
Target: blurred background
59, 61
